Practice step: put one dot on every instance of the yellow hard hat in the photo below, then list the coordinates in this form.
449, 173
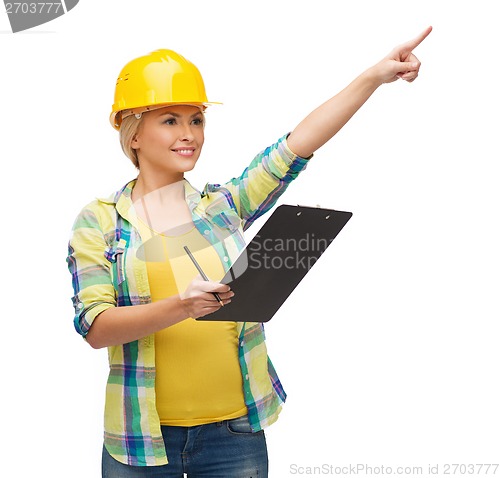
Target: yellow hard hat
161, 78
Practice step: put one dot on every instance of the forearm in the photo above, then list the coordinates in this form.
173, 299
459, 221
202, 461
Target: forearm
121, 325
326, 120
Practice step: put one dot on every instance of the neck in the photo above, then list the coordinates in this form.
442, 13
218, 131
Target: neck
159, 188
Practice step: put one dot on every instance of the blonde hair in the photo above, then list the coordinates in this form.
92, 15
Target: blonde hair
128, 129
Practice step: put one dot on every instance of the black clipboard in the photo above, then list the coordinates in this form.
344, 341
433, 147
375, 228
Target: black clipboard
277, 258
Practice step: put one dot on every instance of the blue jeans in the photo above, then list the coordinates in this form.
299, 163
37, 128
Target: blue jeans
225, 449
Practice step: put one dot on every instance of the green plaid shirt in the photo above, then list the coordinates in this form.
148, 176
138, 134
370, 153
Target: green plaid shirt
107, 273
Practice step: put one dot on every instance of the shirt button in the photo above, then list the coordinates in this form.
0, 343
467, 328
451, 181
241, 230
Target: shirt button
246, 376
226, 258
80, 305
206, 232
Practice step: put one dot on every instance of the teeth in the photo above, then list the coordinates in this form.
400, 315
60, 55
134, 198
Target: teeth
185, 151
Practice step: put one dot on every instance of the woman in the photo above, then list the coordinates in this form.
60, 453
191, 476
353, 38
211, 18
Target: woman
199, 392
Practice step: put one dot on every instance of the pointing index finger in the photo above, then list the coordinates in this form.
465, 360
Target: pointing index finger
412, 44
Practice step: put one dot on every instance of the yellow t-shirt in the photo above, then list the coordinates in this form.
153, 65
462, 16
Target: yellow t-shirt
198, 376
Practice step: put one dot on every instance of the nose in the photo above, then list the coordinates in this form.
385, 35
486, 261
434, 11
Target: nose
187, 133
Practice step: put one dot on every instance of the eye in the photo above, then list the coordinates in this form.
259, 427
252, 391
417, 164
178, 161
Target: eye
198, 121
169, 121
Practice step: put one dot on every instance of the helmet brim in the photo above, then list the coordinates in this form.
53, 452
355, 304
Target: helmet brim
116, 117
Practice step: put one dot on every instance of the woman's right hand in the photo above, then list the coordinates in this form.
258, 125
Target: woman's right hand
400, 62
198, 299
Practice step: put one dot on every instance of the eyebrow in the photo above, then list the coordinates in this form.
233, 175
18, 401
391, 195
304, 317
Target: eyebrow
177, 115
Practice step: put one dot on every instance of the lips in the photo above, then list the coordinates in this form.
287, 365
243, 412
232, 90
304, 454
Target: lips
184, 151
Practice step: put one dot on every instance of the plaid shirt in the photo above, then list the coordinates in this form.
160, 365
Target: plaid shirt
107, 273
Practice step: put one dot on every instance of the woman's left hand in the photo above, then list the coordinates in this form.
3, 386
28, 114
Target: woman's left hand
401, 62
327, 119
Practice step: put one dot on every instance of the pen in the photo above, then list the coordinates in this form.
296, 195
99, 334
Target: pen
200, 270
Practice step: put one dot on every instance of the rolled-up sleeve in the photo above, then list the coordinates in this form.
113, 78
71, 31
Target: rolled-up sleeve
90, 270
264, 180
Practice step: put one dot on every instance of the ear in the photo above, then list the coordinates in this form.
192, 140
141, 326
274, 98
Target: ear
134, 144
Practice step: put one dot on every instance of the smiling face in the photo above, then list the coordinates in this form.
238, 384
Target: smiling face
169, 140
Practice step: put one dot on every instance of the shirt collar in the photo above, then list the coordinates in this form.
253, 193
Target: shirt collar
122, 199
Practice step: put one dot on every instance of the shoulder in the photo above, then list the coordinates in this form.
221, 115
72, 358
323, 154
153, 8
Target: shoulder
95, 219
100, 213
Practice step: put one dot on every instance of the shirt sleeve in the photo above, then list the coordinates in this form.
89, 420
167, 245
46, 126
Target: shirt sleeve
90, 270
266, 178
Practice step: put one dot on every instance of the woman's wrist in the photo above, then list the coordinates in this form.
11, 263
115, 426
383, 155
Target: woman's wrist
372, 77
178, 309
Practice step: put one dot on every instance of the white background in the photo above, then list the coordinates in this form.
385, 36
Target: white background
389, 349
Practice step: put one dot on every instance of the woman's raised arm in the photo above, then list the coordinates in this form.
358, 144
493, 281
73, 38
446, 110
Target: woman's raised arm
326, 120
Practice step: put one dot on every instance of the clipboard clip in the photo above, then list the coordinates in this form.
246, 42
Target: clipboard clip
302, 205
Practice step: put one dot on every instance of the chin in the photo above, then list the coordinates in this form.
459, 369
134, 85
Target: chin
187, 167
